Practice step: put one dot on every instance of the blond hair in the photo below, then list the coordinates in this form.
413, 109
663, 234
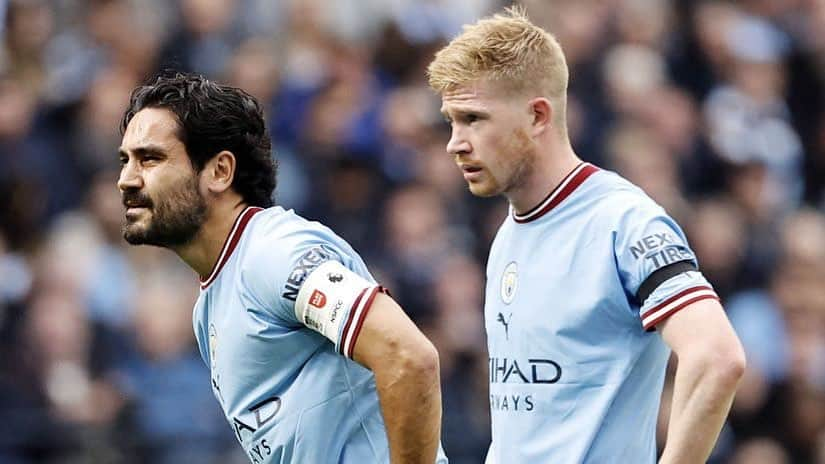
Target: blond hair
506, 49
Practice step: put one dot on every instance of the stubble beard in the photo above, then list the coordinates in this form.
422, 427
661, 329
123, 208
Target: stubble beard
517, 160
175, 219
521, 157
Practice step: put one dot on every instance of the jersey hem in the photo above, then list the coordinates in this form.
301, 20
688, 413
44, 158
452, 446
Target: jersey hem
357, 315
677, 302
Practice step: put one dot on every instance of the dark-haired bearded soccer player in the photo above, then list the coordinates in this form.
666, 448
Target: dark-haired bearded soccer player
306, 351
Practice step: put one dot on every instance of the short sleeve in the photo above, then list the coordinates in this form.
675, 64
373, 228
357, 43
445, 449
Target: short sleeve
342, 289
658, 270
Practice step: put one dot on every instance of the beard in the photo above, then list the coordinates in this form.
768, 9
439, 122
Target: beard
173, 220
523, 158
517, 159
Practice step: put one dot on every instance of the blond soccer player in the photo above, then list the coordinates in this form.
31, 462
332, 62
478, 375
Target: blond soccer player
591, 284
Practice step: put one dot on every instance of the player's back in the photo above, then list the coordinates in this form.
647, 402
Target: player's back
574, 375
286, 391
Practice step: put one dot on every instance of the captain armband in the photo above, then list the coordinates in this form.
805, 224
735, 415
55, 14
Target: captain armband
334, 302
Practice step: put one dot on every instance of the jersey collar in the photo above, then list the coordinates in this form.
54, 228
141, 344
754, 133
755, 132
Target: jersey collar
230, 243
570, 182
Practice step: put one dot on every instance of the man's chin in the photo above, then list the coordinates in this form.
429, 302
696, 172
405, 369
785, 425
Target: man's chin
484, 191
137, 235
135, 238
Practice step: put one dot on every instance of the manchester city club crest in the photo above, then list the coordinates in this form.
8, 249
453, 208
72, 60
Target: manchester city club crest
509, 283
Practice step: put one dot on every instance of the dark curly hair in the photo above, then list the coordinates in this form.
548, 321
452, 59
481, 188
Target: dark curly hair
212, 118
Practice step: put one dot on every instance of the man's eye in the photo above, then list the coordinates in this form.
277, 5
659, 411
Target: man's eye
124, 161
472, 118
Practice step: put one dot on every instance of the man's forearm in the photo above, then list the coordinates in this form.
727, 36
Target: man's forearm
410, 394
702, 396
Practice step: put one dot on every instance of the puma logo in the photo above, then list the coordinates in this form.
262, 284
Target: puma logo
505, 323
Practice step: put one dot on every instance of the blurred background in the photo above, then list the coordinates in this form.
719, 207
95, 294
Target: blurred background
714, 107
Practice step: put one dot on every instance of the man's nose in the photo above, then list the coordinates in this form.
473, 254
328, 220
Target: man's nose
129, 178
458, 145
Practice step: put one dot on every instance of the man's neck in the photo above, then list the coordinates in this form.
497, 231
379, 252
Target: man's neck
549, 170
204, 250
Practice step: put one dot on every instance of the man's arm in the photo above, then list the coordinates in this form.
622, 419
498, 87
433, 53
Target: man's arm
406, 371
710, 363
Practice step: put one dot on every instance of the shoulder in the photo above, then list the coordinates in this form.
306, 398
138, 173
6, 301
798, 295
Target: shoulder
283, 248
616, 201
279, 233
279, 251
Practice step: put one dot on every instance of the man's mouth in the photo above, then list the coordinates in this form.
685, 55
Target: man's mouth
471, 173
136, 203
135, 207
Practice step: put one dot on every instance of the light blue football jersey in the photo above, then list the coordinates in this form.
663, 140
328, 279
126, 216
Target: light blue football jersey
290, 394
575, 288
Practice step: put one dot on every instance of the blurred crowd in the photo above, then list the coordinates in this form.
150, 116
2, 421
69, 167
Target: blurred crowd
714, 107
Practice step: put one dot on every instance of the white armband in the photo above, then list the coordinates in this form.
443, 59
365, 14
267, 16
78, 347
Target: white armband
334, 301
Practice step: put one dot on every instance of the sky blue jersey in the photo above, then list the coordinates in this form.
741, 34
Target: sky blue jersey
575, 289
276, 322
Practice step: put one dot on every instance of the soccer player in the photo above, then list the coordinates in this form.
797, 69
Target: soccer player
590, 283
306, 351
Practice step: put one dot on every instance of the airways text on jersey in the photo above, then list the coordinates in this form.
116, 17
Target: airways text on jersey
255, 418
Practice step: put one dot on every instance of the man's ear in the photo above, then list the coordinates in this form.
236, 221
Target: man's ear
219, 172
542, 115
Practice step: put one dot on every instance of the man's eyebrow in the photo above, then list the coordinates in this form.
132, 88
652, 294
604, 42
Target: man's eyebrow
144, 150
468, 109
464, 111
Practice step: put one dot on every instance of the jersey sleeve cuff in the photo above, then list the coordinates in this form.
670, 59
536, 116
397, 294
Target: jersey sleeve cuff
675, 303
357, 315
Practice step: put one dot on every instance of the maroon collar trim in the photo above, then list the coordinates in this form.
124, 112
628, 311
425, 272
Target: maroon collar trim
562, 191
230, 243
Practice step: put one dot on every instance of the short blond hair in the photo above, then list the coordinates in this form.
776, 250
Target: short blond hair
505, 48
